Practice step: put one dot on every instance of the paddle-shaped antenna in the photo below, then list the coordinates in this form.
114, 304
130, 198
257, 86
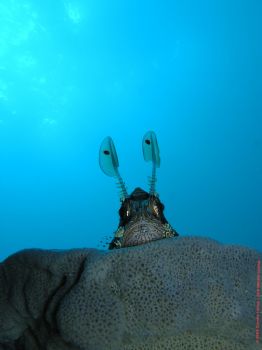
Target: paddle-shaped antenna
151, 153
108, 162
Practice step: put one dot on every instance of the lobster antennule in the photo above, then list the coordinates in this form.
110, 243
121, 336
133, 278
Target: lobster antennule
151, 153
109, 164
122, 186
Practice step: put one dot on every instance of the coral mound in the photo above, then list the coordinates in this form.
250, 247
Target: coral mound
176, 293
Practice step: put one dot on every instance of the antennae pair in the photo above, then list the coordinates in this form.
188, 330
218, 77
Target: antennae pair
109, 164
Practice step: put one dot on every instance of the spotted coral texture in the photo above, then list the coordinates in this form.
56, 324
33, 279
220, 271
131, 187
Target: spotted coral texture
184, 293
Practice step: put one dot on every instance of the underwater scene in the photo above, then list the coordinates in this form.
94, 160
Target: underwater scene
123, 123
75, 72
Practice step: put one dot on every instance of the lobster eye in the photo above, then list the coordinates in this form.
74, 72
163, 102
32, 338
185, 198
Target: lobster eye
125, 211
155, 210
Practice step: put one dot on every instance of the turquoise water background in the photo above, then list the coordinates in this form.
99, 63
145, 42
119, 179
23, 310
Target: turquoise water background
74, 72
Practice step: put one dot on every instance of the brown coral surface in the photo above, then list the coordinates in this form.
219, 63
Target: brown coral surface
177, 293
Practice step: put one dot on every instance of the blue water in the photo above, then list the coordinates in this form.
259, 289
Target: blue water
74, 72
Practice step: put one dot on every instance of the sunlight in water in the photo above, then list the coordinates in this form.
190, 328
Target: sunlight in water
25, 61
32, 69
3, 91
49, 121
73, 12
17, 24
